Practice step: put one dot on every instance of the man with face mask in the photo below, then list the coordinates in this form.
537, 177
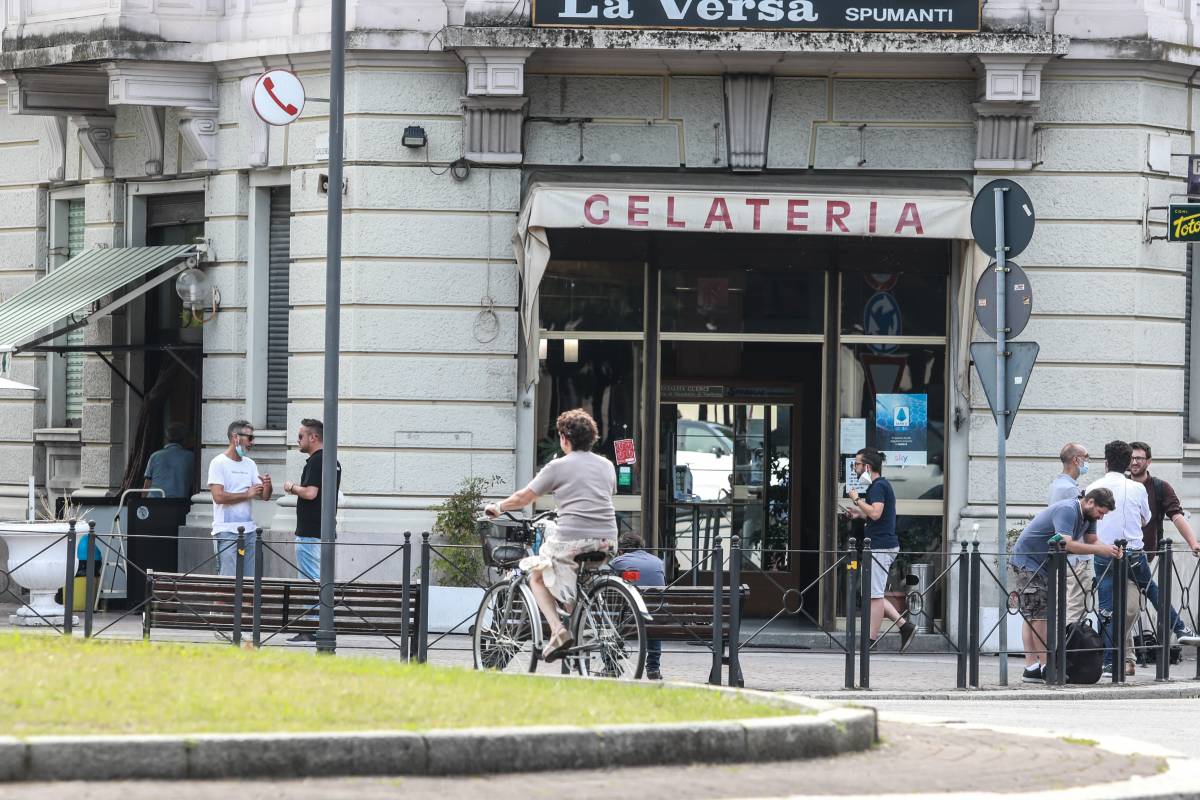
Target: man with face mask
1080, 575
234, 482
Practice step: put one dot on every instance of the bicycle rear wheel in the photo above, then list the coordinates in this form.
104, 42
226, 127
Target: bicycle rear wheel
503, 638
610, 636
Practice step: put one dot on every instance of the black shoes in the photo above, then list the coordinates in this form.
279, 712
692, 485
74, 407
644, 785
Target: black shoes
304, 636
653, 675
908, 632
1034, 674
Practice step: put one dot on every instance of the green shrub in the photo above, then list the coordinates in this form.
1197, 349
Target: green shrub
461, 564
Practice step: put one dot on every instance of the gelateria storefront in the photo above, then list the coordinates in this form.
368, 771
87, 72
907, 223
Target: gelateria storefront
737, 346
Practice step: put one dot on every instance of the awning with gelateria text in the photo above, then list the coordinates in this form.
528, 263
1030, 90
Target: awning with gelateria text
894, 213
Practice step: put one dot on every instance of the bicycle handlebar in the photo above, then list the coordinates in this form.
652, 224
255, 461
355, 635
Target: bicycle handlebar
551, 514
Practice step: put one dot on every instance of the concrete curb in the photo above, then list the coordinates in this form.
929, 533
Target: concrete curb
827, 732
1181, 690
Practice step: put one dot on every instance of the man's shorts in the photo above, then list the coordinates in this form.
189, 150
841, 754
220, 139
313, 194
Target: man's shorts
1027, 592
881, 568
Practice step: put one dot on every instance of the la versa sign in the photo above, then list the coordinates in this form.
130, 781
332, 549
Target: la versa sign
781, 15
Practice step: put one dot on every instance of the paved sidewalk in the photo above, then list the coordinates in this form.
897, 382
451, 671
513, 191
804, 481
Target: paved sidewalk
910, 759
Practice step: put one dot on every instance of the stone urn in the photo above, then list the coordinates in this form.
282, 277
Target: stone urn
37, 561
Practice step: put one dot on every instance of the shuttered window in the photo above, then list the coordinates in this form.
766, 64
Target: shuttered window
277, 310
74, 361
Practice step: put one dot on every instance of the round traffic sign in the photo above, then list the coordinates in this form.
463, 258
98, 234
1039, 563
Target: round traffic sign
278, 97
1018, 299
1018, 218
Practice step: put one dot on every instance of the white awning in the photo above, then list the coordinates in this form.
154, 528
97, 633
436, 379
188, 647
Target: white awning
70, 291
892, 211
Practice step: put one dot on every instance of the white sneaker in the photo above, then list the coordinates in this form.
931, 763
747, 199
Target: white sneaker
1188, 638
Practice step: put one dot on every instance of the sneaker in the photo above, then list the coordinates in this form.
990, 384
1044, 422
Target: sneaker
653, 675
304, 636
1106, 671
908, 632
1187, 637
1034, 674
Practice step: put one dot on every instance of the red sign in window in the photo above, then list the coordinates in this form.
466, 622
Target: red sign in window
625, 451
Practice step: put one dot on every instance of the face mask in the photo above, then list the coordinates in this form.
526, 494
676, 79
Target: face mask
241, 451
1083, 468
864, 480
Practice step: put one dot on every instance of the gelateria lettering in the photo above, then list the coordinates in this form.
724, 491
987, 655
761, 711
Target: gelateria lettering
949, 15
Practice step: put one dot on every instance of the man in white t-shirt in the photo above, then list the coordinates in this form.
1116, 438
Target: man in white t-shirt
234, 482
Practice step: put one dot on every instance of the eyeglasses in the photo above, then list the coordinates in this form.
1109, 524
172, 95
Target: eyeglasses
1139, 458
249, 436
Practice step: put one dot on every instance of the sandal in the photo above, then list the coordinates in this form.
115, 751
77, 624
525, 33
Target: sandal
558, 644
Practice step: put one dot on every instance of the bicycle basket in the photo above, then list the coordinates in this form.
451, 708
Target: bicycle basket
504, 542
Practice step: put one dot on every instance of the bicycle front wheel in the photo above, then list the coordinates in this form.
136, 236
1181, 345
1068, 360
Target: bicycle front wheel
610, 635
504, 639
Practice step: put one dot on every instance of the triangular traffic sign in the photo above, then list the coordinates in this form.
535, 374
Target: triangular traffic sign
1021, 358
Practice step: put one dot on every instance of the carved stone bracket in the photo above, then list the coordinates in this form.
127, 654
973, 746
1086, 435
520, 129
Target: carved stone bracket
259, 131
495, 71
56, 135
153, 119
748, 115
493, 128
198, 124
1011, 88
96, 139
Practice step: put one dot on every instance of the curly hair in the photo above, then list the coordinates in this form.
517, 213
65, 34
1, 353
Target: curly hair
579, 429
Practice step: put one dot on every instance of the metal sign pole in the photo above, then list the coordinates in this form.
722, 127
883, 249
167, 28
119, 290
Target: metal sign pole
1001, 430
326, 636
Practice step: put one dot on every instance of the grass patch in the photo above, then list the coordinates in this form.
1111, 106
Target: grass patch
52, 685
1083, 742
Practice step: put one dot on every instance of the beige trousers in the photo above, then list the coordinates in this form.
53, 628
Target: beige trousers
1080, 578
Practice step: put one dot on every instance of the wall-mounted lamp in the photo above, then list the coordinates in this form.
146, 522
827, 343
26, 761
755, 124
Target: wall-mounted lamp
571, 350
414, 136
198, 294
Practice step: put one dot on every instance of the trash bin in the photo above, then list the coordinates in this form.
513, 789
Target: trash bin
917, 584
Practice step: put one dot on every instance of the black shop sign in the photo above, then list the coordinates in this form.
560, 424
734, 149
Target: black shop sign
769, 15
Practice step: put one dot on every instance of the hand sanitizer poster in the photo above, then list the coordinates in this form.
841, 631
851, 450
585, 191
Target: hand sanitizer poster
901, 428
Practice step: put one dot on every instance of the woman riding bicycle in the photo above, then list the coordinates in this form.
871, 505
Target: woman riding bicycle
583, 485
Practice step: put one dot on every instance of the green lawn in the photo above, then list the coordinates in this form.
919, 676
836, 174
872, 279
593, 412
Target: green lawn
57, 686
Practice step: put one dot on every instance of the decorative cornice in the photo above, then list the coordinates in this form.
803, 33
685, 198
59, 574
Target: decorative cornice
69, 90
493, 129
150, 83
495, 72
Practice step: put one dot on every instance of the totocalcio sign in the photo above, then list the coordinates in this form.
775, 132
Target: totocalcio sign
773, 15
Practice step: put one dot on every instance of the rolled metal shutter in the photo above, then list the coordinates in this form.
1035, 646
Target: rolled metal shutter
74, 361
280, 263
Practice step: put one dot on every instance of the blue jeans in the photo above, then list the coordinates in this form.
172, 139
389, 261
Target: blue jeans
225, 542
653, 655
308, 557
1139, 575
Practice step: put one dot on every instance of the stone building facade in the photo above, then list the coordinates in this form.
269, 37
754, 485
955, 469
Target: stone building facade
131, 114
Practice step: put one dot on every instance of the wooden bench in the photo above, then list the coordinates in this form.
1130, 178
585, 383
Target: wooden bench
686, 614
187, 601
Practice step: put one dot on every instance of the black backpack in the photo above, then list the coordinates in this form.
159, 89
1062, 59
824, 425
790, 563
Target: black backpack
1085, 653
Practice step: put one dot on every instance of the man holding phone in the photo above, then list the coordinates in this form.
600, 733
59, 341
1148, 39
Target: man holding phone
234, 482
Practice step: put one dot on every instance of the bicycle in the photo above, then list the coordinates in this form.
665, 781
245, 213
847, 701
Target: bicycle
608, 620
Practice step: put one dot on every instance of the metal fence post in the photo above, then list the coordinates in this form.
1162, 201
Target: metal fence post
1052, 665
405, 595
69, 586
423, 602
866, 568
1117, 621
973, 618
696, 545
964, 605
735, 611
718, 617
89, 581
1166, 562
851, 608
239, 574
1061, 611
256, 630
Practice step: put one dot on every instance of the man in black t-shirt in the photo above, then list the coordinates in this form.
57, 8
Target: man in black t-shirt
308, 505
877, 505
